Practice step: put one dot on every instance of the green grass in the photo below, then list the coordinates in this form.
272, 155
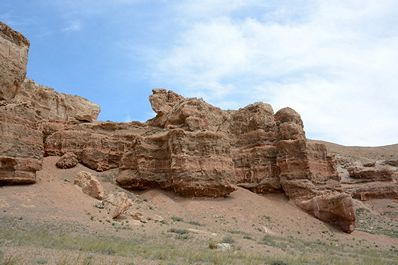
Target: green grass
177, 219
168, 251
228, 239
376, 224
178, 231
194, 223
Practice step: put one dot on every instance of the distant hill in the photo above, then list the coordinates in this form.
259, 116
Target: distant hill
386, 152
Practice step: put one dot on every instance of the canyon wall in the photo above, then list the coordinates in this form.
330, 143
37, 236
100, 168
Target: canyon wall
190, 147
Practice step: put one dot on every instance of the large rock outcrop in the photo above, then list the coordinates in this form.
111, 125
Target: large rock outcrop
366, 179
13, 59
25, 108
190, 147
51, 105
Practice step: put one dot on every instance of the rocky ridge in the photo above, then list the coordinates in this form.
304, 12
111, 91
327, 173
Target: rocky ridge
190, 147
366, 172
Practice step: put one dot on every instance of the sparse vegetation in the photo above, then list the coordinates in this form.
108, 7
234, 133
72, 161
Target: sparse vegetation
41, 261
178, 231
177, 219
165, 251
375, 224
278, 262
228, 239
195, 223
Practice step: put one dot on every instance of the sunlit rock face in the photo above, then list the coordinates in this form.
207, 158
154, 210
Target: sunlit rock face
190, 147
24, 108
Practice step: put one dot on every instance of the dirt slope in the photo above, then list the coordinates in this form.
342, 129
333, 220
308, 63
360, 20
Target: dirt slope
259, 228
373, 153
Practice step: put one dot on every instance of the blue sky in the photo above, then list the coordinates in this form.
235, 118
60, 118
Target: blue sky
335, 62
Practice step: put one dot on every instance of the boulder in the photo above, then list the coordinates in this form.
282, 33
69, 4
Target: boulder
117, 204
335, 208
89, 185
68, 160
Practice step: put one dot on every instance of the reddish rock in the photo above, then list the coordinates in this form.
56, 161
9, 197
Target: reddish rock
369, 179
68, 160
369, 174
190, 147
51, 105
190, 163
18, 170
89, 185
25, 109
309, 176
21, 144
99, 146
13, 59
162, 101
372, 190
116, 204
254, 133
334, 208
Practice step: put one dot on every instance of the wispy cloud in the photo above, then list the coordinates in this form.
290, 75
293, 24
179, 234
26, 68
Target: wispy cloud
334, 61
73, 26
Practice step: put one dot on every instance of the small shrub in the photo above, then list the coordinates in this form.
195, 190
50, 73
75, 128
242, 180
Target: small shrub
177, 219
212, 245
228, 239
182, 236
178, 231
248, 237
41, 261
278, 262
195, 223
10, 260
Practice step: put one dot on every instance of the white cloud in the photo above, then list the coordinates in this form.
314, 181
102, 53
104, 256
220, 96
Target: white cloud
73, 26
333, 61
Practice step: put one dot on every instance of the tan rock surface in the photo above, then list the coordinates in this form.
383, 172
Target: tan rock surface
52, 105
25, 109
13, 59
89, 185
68, 160
190, 147
117, 204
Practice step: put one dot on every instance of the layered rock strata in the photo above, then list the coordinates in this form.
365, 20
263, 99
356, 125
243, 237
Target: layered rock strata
13, 59
366, 180
24, 109
190, 147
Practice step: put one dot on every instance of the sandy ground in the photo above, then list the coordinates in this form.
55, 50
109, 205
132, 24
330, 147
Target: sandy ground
245, 216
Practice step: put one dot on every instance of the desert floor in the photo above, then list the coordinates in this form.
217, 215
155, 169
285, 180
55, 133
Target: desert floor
53, 222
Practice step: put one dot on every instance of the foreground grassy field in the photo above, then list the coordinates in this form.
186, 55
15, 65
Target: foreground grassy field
23, 242
53, 222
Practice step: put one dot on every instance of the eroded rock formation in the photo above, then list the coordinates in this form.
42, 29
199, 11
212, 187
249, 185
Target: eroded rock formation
366, 180
190, 147
89, 185
13, 59
25, 109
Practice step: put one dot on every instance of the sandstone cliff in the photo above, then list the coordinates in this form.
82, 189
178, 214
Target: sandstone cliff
24, 108
190, 147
